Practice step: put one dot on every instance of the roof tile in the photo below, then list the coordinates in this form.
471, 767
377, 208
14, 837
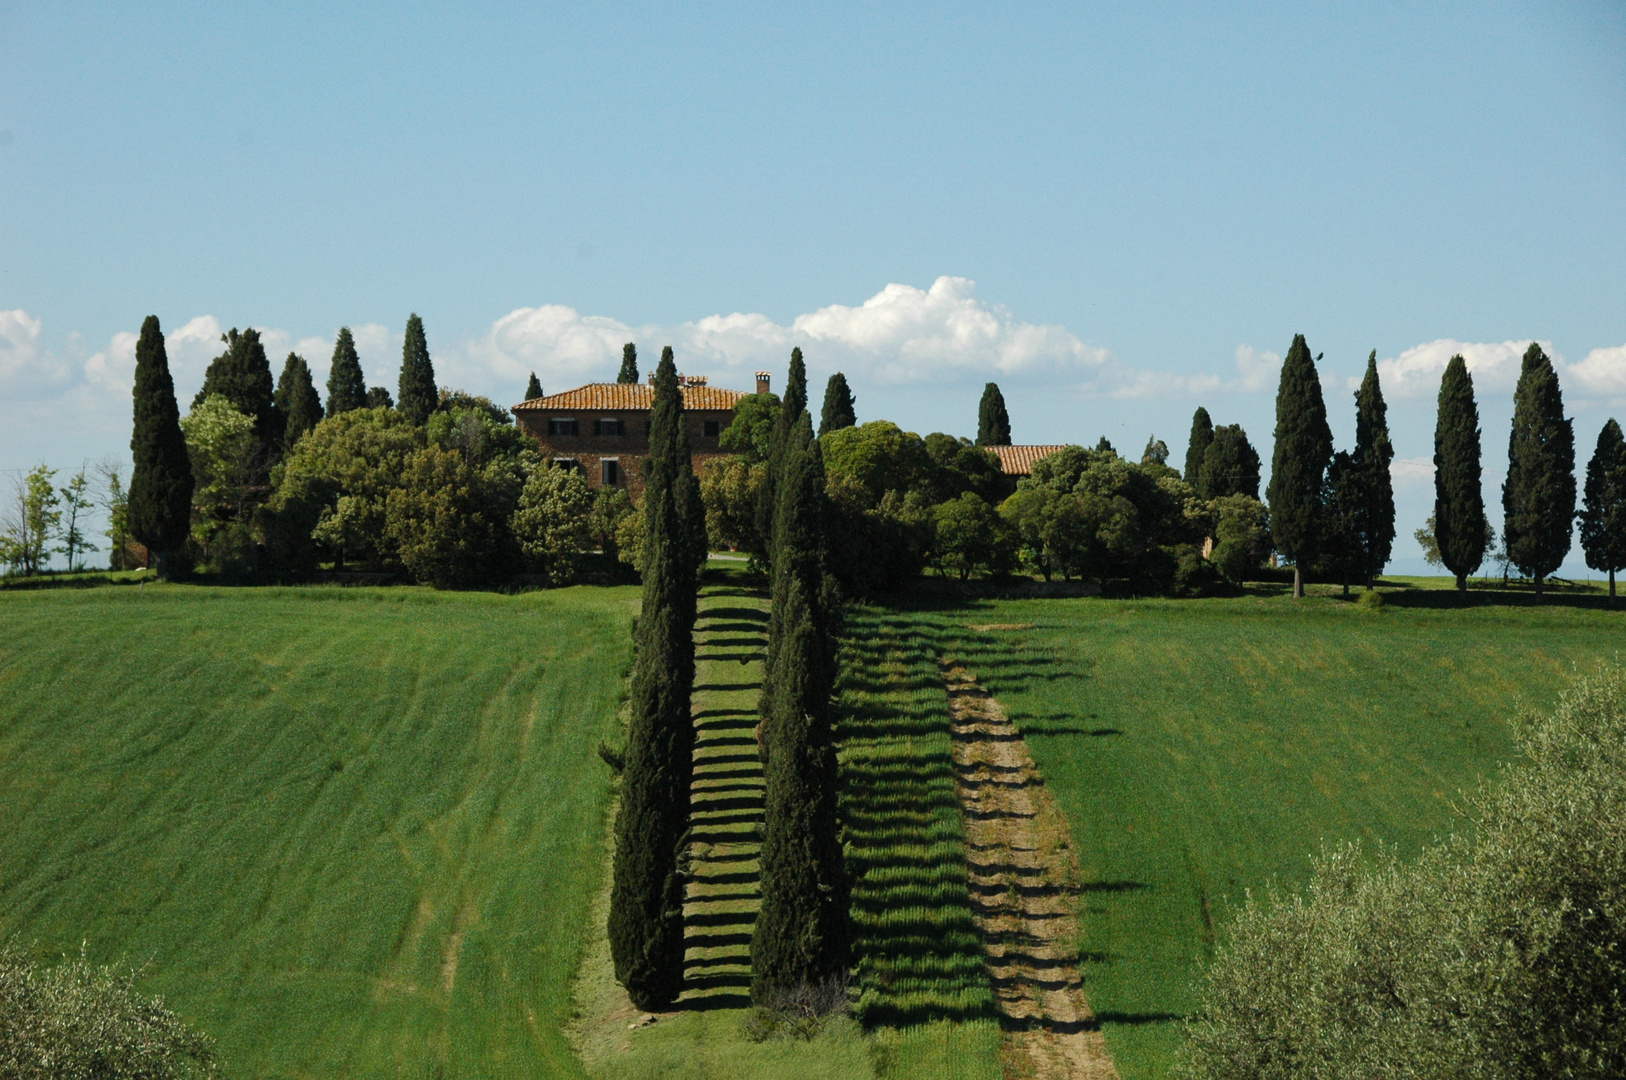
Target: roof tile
630, 396
1018, 460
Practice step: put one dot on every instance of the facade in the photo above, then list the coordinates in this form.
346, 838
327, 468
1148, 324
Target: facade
602, 429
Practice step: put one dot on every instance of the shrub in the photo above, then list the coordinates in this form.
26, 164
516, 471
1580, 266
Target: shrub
77, 1021
1496, 955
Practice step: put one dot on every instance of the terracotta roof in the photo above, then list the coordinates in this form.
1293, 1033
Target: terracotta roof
1018, 460
630, 396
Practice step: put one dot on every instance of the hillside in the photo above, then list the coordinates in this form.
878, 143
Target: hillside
349, 832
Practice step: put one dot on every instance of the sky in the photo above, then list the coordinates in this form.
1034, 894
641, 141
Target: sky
1118, 213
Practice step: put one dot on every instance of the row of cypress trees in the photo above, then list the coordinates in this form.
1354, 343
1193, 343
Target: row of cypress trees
161, 482
801, 935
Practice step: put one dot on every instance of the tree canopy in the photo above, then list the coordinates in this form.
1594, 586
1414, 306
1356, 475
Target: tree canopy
1538, 497
993, 422
1459, 503
160, 497
416, 394
345, 388
1298, 467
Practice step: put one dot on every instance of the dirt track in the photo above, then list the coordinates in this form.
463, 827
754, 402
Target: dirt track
1024, 885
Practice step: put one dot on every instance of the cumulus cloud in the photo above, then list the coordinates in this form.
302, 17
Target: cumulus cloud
1601, 373
27, 369
1411, 471
1417, 371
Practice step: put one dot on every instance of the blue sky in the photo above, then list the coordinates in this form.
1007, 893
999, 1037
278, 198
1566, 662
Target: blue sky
1117, 213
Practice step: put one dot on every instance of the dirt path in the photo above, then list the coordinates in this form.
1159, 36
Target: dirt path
1024, 884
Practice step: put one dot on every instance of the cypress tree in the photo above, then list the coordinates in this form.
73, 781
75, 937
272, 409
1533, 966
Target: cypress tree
160, 498
801, 935
242, 375
1298, 466
378, 397
296, 397
629, 364
533, 389
416, 396
838, 406
993, 422
1202, 433
791, 408
1603, 513
1230, 465
345, 388
1538, 497
1459, 502
1375, 512
646, 900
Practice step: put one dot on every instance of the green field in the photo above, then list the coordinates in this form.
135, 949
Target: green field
1201, 748
349, 832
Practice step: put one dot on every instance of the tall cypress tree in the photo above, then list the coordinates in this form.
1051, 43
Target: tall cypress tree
1230, 465
1375, 513
838, 406
345, 388
1202, 433
1603, 513
791, 407
160, 499
801, 936
993, 422
629, 364
646, 900
1538, 496
1459, 501
296, 397
242, 375
533, 389
416, 396
1298, 466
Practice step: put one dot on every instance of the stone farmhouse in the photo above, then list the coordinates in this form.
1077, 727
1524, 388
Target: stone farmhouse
602, 429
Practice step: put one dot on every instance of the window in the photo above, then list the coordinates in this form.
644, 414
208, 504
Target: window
609, 471
568, 464
711, 428
562, 425
608, 425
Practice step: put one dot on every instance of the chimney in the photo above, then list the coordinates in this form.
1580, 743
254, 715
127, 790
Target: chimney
652, 378
762, 382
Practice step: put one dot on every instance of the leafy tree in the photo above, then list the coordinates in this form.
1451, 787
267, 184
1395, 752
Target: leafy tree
1457, 527
1538, 496
957, 466
114, 501
335, 484
646, 900
553, 521
448, 521
31, 520
1603, 513
345, 388
801, 938
476, 428
1241, 536
1375, 513
297, 399
161, 483
242, 375
993, 422
750, 433
77, 1021
223, 447
878, 457
1156, 452
611, 507
971, 536
729, 489
379, 398
1341, 556
629, 365
1103, 445
1202, 433
1498, 954
1230, 465
76, 503
838, 406
415, 390
1298, 467
533, 389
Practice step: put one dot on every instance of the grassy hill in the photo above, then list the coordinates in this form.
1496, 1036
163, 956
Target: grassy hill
349, 832
1202, 748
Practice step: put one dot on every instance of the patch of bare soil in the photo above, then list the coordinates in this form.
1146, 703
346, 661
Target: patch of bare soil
1024, 889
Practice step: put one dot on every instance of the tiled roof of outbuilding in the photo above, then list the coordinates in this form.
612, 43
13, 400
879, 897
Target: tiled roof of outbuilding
611, 396
1018, 460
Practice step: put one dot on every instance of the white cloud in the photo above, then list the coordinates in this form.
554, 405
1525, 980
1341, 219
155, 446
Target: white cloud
1417, 371
1602, 373
26, 369
1408, 471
